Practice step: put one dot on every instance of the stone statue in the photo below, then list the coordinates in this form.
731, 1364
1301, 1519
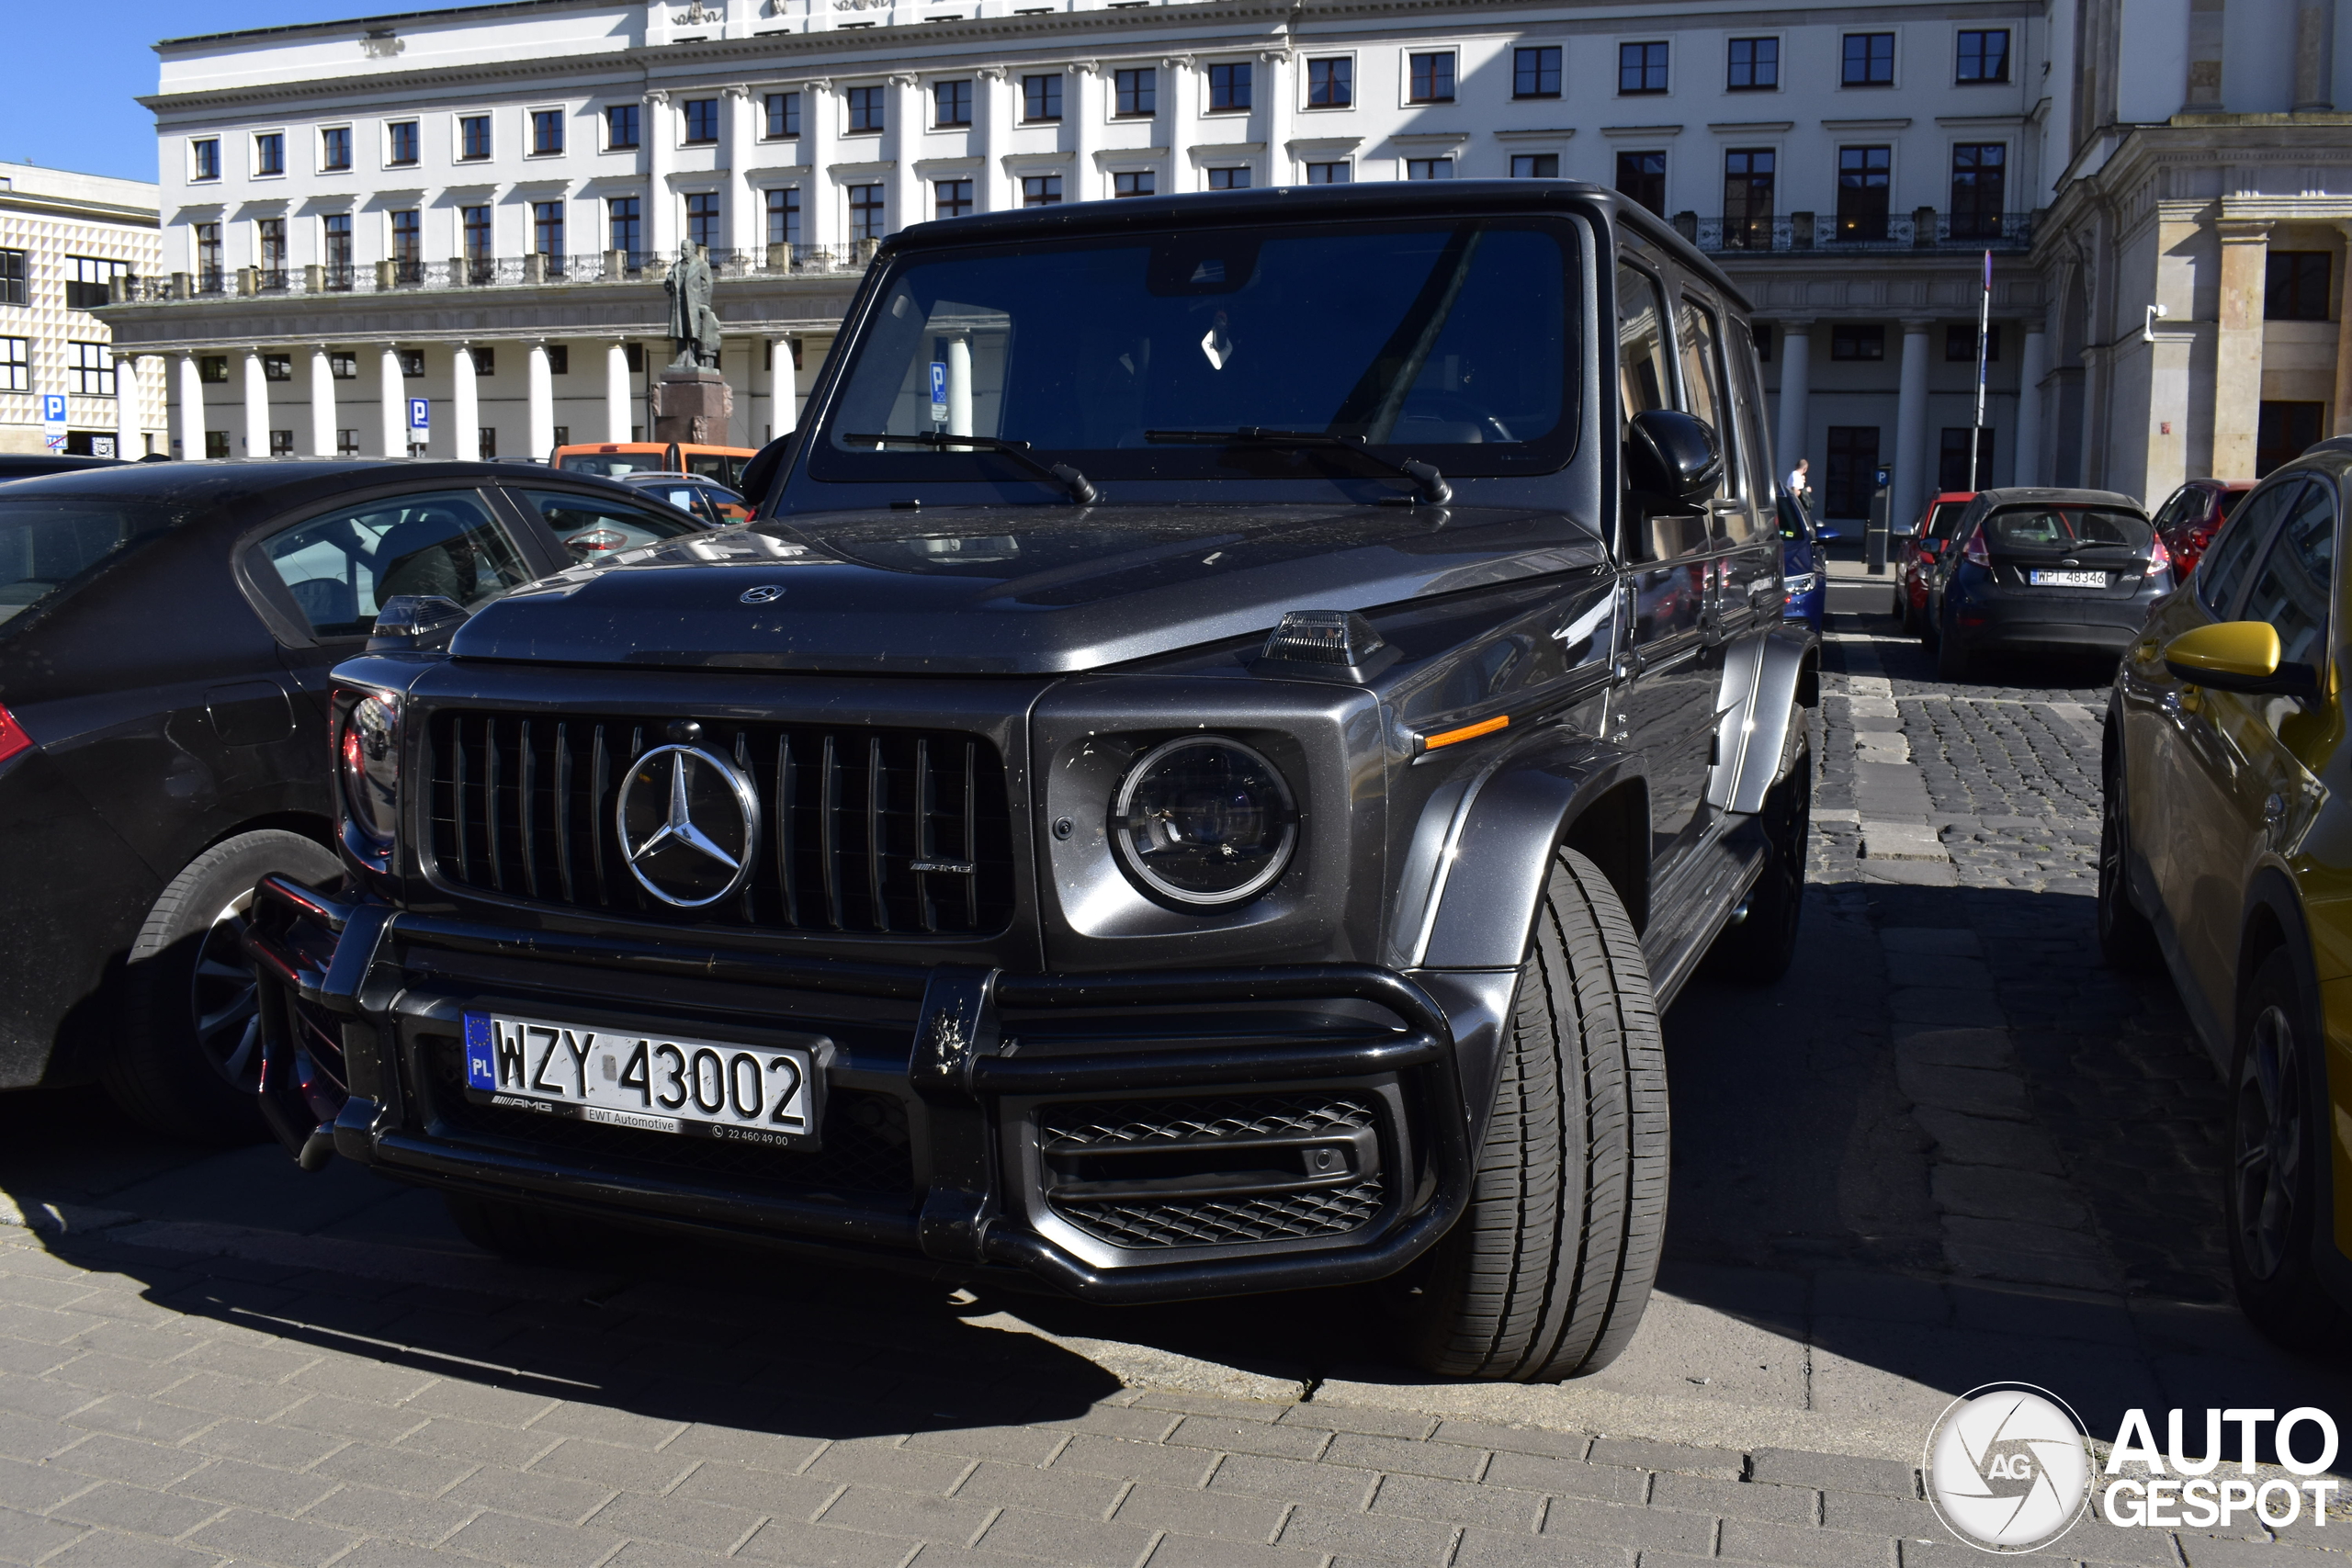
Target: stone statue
694, 325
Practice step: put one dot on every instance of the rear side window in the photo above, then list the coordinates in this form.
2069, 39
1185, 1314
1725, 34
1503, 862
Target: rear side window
2224, 569
592, 527
340, 569
2290, 592
728, 471
684, 497
46, 545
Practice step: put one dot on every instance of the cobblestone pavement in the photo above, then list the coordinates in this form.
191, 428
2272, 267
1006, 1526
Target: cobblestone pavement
1949, 1148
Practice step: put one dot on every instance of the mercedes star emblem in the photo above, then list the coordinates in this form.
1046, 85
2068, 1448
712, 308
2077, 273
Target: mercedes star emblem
765, 594
689, 823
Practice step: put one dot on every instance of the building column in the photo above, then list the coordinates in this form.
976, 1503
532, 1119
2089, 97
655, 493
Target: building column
1086, 106
1278, 107
191, 398
744, 228
1796, 385
906, 128
2237, 351
2026, 458
538, 420
464, 415
322, 402
617, 398
257, 408
783, 389
126, 445
1911, 479
820, 220
1179, 93
391, 397
660, 131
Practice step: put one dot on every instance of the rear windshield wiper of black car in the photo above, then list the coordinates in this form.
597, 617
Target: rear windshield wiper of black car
1427, 483
1081, 489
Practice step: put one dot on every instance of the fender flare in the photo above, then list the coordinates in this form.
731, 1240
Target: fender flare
1762, 687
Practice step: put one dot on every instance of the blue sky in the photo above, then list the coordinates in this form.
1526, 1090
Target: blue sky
69, 101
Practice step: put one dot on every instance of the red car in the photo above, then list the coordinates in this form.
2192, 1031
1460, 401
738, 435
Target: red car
2188, 522
1928, 538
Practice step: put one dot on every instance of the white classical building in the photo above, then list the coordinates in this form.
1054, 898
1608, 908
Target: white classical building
475, 206
65, 238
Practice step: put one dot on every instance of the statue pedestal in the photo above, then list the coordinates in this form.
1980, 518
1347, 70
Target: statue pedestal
692, 406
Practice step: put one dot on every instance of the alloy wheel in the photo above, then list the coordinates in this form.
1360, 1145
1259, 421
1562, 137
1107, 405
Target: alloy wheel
2267, 1169
222, 1001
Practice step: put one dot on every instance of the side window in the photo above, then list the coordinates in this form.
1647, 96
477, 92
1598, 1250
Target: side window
341, 568
1706, 393
2291, 590
589, 525
1645, 381
2222, 570
2168, 516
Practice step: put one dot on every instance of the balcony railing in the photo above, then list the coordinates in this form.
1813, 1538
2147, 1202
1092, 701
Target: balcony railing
1923, 229
535, 270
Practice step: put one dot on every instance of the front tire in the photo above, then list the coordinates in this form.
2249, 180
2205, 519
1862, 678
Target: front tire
2278, 1158
1757, 951
1547, 1273
186, 1060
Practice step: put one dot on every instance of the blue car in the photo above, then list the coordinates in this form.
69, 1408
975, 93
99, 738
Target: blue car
1803, 565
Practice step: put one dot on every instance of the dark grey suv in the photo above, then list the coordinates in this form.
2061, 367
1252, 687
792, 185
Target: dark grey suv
1236, 715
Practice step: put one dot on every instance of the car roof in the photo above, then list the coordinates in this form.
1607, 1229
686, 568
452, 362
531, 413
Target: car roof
1305, 204
2043, 495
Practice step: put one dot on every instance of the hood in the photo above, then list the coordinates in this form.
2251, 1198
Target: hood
1008, 591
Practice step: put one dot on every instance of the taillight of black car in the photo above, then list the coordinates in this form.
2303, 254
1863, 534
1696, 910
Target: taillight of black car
13, 739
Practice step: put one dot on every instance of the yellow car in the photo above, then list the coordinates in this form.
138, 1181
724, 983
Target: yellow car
2226, 848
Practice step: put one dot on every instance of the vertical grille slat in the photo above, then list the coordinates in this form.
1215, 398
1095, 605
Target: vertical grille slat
514, 796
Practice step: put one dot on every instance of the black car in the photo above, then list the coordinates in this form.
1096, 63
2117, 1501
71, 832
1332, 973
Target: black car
1238, 713
165, 634
2041, 570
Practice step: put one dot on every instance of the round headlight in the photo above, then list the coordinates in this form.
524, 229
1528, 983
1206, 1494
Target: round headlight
371, 767
1201, 820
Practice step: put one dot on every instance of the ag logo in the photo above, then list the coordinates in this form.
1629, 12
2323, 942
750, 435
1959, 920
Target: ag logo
2008, 1467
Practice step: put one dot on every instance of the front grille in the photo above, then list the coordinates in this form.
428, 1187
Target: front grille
522, 806
1070, 1133
864, 1145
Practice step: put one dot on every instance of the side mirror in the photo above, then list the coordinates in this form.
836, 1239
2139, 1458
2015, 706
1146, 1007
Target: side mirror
416, 621
2238, 656
760, 473
1673, 453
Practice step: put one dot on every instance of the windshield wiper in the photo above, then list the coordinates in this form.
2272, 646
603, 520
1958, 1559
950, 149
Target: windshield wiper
1427, 483
1081, 489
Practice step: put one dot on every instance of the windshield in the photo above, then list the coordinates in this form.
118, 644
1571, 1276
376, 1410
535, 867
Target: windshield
1447, 340
2064, 528
46, 543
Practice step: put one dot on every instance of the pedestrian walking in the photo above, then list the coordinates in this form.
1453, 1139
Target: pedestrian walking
1798, 485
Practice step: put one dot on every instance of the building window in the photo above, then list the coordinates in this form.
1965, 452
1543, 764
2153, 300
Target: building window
89, 370
335, 149
212, 368
281, 444
1853, 470
562, 434
1856, 340
1640, 68
487, 442
634, 355
1041, 97
784, 116
1979, 189
1428, 168
277, 368
269, 153
624, 225
1749, 173
334, 233
783, 215
620, 126
559, 358
1755, 64
1329, 174
485, 359
207, 257
1331, 84
1641, 177
951, 199
1040, 190
269, 236
1536, 72
1138, 92
412, 364
865, 212
1760, 333
204, 159
1870, 59
702, 121
1229, 179
476, 221
547, 227
1959, 344
1230, 87
2282, 431
1536, 166
1135, 182
89, 281
1429, 78
702, 219
346, 443
216, 444
12, 278
547, 132
1951, 461
1983, 56
408, 244
951, 103
1863, 176
343, 364
473, 137
865, 109
2294, 286
400, 143
16, 365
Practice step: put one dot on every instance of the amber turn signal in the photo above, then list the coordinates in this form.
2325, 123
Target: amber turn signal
1467, 732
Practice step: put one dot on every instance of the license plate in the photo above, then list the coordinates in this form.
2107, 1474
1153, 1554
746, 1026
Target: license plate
760, 1094
2067, 579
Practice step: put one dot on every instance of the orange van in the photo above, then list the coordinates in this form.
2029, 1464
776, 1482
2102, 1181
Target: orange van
724, 464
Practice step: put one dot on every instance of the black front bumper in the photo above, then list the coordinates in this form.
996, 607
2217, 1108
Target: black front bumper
966, 1099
